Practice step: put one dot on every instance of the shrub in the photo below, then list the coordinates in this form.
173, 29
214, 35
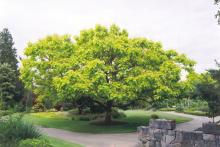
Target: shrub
84, 118
34, 143
87, 110
67, 106
5, 112
179, 108
39, 107
154, 116
3, 105
58, 106
19, 107
203, 108
118, 114
167, 109
47, 104
95, 108
73, 118
199, 113
14, 129
87, 117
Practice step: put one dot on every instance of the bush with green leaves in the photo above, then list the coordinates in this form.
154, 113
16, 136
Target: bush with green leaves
118, 114
87, 117
13, 129
168, 109
39, 107
179, 108
5, 112
154, 116
19, 107
40, 142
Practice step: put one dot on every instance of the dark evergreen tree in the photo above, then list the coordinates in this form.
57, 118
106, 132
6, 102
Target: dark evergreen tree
217, 2
8, 55
7, 51
7, 86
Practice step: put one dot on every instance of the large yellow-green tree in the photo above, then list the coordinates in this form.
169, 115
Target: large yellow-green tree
45, 60
106, 66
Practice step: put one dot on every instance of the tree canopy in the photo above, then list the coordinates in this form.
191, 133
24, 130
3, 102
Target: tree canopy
45, 60
106, 66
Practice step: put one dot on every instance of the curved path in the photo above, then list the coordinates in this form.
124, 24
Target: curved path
94, 140
194, 124
118, 140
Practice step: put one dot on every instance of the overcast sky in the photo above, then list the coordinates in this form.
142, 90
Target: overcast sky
187, 26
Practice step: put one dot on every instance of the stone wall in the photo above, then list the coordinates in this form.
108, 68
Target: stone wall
162, 133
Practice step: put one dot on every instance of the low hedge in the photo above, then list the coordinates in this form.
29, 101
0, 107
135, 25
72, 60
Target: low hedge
167, 109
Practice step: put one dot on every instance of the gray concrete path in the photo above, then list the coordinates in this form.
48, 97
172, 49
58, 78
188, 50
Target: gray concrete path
194, 124
118, 140
94, 140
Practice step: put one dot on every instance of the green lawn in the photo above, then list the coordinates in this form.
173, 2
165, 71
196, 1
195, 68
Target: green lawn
134, 118
198, 113
61, 143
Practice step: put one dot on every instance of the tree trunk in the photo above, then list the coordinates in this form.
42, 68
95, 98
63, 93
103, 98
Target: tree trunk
108, 117
80, 110
108, 114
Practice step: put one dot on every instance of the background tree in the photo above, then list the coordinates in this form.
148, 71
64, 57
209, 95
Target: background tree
114, 70
218, 12
7, 51
8, 55
7, 85
209, 90
187, 90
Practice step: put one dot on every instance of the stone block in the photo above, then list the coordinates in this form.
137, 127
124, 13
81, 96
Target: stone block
183, 136
169, 139
160, 133
143, 133
171, 132
143, 129
158, 144
199, 143
174, 145
210, 128
210, 144
152, 143
162, 124
209, 137
197, 136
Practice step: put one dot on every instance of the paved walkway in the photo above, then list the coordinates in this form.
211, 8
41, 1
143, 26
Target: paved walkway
118, 140
194, 124
94, 140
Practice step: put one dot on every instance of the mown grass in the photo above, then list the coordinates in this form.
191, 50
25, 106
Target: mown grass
134, 119
198, 113
55, 142
187, 111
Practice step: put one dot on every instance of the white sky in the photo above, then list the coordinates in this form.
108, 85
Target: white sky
188, 26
